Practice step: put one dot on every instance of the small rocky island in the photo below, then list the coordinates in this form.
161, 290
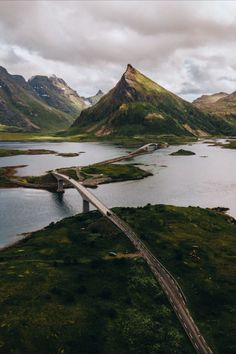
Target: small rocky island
182, 152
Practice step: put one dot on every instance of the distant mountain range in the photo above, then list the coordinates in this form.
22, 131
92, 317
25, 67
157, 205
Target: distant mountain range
135, 106
138, 105
92, 100
221, 104
56, 93
40, 104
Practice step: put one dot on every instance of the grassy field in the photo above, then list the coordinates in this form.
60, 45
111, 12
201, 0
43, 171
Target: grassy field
12, 152
62, 292
136, 140
47, 181
117, 172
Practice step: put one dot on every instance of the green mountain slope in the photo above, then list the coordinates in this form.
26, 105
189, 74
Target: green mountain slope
138, 105
56, 93
207, 101
221, 104
22, 110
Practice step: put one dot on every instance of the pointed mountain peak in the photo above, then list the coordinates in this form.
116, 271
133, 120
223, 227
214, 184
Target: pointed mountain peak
100, 92
130, 72
130, 68
135, 86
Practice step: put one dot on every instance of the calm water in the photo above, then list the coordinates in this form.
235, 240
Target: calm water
38, 164
187, 180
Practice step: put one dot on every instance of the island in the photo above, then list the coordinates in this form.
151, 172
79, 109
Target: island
68, 154
182, 152
14, 152
90, 176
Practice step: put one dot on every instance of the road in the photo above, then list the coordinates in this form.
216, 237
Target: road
168, 283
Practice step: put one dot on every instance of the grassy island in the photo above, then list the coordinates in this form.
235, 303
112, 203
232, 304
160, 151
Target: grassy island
182, 152
91, 176
62, 291
104, 173
13, 152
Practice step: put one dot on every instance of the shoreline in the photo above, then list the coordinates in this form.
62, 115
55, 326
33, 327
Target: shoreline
24, 236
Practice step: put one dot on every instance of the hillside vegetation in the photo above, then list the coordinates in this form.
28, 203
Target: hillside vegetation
138, 105
22, 109
221, 104
62, 290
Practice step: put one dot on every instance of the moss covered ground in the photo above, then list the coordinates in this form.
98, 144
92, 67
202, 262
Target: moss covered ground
13, 152
117, 172
61, 291
137, 139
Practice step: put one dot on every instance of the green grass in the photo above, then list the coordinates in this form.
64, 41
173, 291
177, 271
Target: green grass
61, 292
48, 180
198, 247
7, 136
12, 152
231, 144
116, 171
3, 177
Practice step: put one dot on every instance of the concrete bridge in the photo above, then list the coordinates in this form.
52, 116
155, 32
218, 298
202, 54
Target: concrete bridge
167, 282
86, 195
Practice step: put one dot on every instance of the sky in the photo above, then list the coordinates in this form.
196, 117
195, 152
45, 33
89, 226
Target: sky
186, 46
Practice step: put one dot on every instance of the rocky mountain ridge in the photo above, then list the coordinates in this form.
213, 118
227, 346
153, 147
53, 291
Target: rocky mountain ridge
222, 104
138, 105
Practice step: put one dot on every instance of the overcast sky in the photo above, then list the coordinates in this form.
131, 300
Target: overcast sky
188, 47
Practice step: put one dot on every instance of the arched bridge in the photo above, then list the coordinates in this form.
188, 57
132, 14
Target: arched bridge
168, 283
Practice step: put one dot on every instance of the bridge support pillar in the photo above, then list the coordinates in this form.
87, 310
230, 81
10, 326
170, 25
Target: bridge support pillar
85, 206
60, 187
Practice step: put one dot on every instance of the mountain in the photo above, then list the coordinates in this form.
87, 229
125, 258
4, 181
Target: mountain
56, 93
221, 104
206, 101
21, 109
92, 100
138, 105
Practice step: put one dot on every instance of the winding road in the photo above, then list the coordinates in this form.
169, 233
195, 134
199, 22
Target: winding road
168, 283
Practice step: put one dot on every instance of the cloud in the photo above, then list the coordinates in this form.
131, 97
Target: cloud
90, 43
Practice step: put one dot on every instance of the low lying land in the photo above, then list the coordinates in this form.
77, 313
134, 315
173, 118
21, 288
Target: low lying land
136, 140
68, 154
90, 176
61, 288
229, 144
12, 152
104, 173
6, 176
182, 152
9, 152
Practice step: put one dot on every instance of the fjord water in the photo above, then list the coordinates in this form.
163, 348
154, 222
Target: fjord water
207, 179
